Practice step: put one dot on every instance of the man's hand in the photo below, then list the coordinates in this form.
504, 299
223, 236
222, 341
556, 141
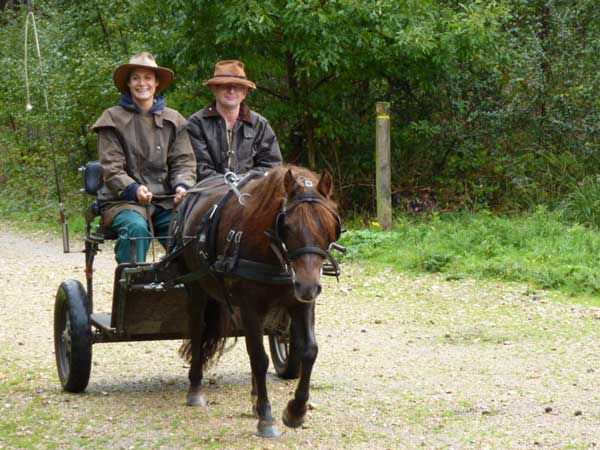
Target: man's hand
179, 194
143, 195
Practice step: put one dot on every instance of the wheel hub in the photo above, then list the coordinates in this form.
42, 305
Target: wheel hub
66, 336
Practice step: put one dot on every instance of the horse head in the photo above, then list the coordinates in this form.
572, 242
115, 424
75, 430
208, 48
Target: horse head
307, 225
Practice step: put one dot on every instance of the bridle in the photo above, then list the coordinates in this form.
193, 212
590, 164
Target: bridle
286, 256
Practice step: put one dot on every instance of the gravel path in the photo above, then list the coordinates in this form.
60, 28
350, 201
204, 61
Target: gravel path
403, 363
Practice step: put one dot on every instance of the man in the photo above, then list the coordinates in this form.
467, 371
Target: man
227, 135
146, 157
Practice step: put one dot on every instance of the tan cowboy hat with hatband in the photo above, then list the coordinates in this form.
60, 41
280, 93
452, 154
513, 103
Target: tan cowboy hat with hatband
142, 60
230, 71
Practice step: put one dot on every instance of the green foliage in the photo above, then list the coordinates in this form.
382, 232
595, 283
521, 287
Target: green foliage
582, 205
539, 248
494, 104
321, 66
80, 44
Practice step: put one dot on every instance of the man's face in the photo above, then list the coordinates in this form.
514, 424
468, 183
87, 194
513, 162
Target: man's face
229, 96
142, 84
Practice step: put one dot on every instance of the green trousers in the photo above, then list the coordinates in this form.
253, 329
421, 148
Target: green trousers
131, 224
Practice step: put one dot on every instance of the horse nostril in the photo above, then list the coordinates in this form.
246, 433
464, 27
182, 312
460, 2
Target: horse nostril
307, 291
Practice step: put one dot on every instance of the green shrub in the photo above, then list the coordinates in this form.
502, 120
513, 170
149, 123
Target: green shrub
583, 204
540, 248
435, 262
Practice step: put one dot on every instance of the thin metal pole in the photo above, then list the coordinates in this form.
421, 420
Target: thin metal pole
28, 107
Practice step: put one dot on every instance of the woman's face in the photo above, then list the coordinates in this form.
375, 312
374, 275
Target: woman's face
142, 85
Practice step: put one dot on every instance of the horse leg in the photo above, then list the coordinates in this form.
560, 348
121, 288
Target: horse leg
259, 362
304, 334
196, 307
254, 397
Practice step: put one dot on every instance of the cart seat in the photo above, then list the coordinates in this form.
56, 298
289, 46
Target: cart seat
92, 182
92, 178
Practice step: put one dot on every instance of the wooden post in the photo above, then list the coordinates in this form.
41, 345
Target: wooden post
382, 166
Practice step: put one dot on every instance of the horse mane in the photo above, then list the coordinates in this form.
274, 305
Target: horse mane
267, 193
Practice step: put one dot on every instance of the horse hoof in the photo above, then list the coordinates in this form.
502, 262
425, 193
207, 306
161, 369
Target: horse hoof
196, 400
291, 421
267, 429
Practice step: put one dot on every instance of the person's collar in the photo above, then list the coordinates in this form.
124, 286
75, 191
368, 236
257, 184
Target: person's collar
127, 102
211, 110
159, 105
244, 114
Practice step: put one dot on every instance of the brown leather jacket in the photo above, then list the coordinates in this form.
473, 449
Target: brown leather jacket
254, 145
150, 149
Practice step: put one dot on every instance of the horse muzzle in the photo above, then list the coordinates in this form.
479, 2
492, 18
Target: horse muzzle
307, 292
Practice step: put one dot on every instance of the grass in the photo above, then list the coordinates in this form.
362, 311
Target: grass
544, 249
540, 248
30, 428
44, 217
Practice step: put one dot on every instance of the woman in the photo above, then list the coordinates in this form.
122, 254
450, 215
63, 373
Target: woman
146, 157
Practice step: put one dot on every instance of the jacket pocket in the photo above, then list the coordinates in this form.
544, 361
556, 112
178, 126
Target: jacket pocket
245, 150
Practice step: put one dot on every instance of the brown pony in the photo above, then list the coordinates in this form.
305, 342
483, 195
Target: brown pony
287, 221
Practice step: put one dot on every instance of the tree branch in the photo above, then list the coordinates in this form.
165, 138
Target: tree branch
273, 93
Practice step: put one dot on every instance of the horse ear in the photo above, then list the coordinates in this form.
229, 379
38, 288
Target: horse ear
289, 182
325, 186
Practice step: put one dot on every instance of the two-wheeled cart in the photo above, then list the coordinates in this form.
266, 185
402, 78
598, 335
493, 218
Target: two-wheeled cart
147, 305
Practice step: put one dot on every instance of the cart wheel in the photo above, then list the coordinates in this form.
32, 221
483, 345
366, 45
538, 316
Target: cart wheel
284, 356
72, 336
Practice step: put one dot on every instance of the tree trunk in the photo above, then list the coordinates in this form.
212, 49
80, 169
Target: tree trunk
104, 29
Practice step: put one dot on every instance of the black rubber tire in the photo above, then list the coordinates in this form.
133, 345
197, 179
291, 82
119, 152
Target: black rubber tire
72, 336
285, 356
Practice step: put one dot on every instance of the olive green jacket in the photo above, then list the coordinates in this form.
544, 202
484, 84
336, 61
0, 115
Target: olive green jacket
152, 149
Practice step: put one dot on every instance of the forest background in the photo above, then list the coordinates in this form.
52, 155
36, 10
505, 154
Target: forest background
494, 104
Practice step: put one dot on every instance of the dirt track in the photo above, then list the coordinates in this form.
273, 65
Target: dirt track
403, 363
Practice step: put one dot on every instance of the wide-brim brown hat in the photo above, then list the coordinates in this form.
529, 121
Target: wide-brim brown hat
142, 60
230, 71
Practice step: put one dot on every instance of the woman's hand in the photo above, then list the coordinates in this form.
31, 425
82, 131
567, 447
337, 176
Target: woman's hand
143, 195
179, 194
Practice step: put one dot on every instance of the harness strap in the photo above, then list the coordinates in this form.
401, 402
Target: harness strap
331, 269
279, 249
259, 272
305, 250
192, 276
309, 198
225, 263
202, 230
236, 251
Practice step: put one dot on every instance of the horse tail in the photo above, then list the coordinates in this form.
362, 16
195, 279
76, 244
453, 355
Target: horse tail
218, 326
185, 351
